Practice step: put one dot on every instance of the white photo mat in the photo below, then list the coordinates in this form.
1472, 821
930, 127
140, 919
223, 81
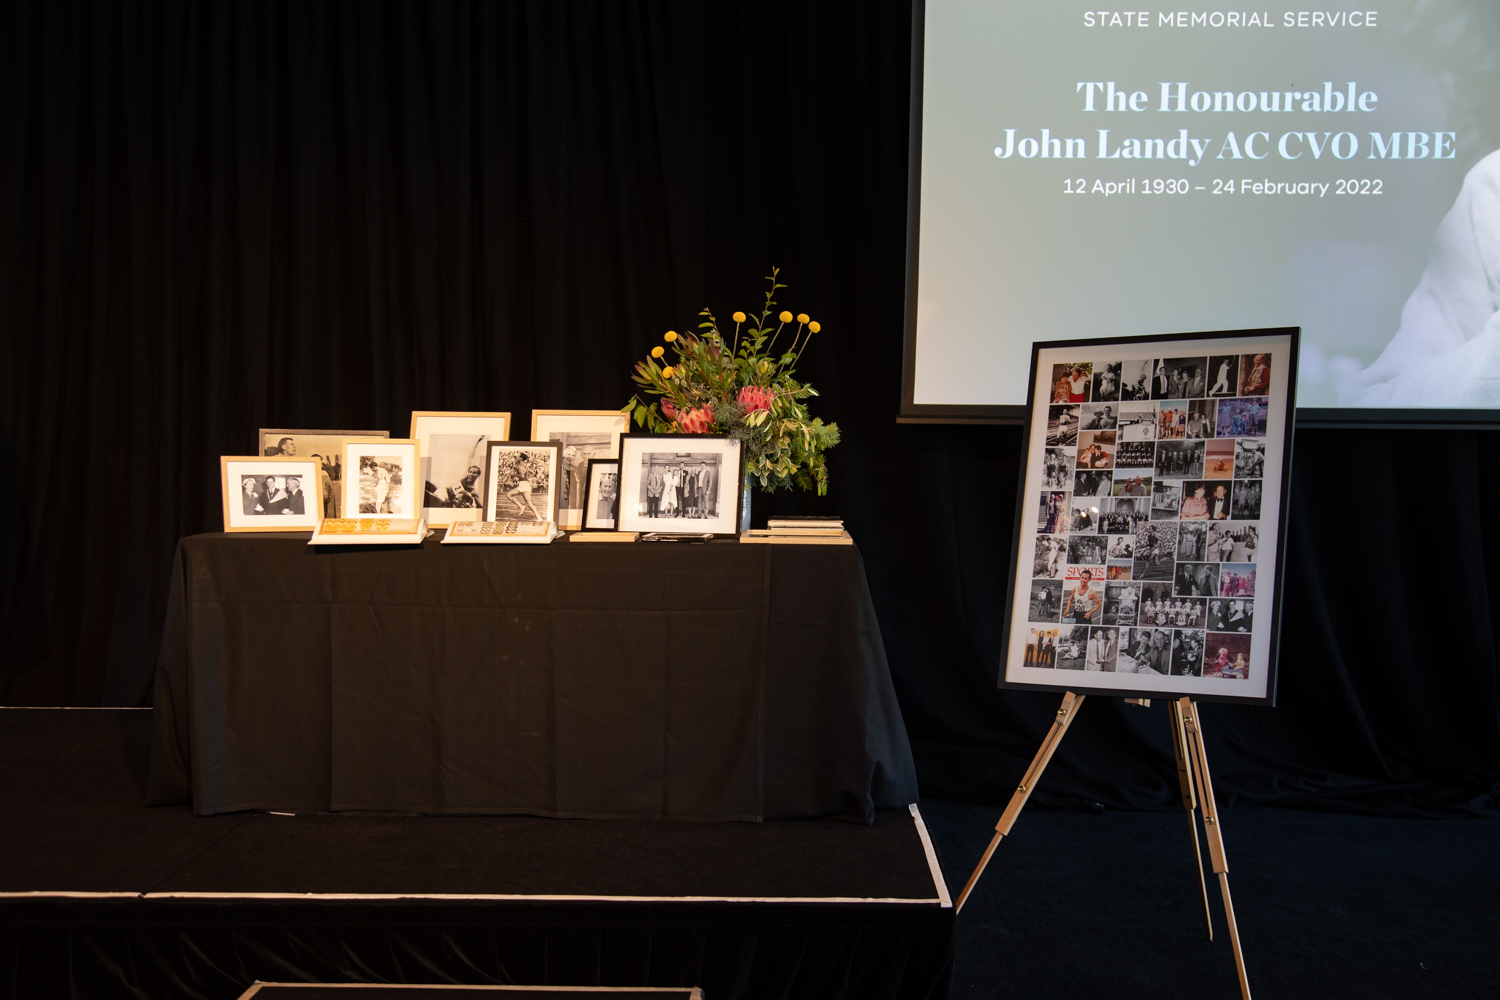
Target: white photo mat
1187, 542
270, 494
584, 435
680, 483
381, 478
451, 444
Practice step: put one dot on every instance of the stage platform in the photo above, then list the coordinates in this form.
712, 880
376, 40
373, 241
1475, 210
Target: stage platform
101, 896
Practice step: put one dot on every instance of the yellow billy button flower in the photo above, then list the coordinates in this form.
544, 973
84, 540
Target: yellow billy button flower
814, 326
802, 317
669, 336
657, 352
738, 317
785, 317
668, 372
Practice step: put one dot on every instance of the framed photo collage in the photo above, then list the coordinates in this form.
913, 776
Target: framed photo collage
1151, 516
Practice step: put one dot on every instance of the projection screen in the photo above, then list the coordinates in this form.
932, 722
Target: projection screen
1081, 172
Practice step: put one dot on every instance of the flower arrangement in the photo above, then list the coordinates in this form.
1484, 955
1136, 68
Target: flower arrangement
740, 386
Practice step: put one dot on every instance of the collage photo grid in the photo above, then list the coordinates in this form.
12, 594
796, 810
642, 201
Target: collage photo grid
1148, 519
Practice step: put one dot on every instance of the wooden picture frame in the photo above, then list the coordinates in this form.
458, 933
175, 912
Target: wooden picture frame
451, 444
584, 435
1148, 557
603, 485
515, 472
327, 445
292, 503
712, 506
381, 478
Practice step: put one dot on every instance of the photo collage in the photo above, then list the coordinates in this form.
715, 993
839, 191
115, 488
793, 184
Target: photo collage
1148, 519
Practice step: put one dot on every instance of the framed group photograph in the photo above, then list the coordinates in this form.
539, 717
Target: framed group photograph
680, 483
380, 478
454, 446
584, 435
521, 481
326, 447
1152, 516
270, 494
601, 509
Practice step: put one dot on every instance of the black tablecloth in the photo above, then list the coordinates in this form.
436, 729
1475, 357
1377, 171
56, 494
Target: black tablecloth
710, 682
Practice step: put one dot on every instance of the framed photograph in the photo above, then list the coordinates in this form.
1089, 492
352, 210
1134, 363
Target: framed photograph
521, 481
325, 447
1155, 571
380, 478
270, 494
453, 447
584, 435
601, 509
680, 482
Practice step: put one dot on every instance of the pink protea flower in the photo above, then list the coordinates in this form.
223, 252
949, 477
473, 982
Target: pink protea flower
698, 421
754, 398
667, 409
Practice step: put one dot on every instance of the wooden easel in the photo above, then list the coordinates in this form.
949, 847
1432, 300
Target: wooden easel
1192, 776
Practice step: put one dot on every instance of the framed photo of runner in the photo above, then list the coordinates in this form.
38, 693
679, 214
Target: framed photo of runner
453, 447
680, 483
270, 494
380, 478
602, 507
584, 435
1152, 516
521, 481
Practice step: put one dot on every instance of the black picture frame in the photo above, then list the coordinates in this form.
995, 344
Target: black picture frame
588, 493
1068, 680
491, 485
628, 441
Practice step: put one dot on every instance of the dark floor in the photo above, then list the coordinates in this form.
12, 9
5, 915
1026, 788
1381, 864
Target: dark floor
1081, 905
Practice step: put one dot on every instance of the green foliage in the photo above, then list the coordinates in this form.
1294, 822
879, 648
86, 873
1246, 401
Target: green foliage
784, 444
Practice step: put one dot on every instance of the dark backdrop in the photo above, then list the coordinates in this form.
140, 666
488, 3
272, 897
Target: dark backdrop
217, 216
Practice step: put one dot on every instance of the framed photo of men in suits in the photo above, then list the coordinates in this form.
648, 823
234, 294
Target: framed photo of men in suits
680, 483
270, 494
1200, 453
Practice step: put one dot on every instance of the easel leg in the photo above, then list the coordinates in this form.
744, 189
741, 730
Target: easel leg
1044, 753
1194, 733
1190, 803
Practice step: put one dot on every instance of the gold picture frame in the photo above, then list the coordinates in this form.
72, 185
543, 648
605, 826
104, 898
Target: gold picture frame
584, 435
270, 494
452, 444
374, 466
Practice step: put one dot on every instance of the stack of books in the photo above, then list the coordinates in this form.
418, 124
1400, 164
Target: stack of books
810, 529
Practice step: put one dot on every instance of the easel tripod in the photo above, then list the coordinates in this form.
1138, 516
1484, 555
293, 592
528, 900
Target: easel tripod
1192, 776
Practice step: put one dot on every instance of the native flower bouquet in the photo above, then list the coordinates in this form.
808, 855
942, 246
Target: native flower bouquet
740, 386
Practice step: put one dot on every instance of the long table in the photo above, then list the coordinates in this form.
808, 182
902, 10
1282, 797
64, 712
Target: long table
716, 681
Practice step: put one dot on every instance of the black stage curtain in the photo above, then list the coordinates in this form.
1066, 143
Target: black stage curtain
224, 216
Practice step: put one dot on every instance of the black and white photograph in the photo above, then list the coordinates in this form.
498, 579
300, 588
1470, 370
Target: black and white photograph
1127, 484
1046, 601
1137, 422
1051, 556
1083, 596
1183, 378
1072, 647
1096, 450
1107, 381
454, 447
1054, 512
1041, 647
1087, 550
1249, 458
1244, 417
1136, 455
1103, 645
1122, 599
1057, 470
1200, 418
382, 478
601, 508
1121, 548
1093, 484
522, 481
1144, 651
1231, 614
1135, 380
326, 447
1223, 375
381, 486
680, 483
1233, 542
1192, 542
1085, 514
1237, 580
1206, 499
1218, 459
1098, 416
1245, 504
1155, 546
1164, 609
1166, 500
269, 494
1171, 421
1062, 426
1122, 515
1187, 653
1199, 579
1179, 460
584, 435
1227, 655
